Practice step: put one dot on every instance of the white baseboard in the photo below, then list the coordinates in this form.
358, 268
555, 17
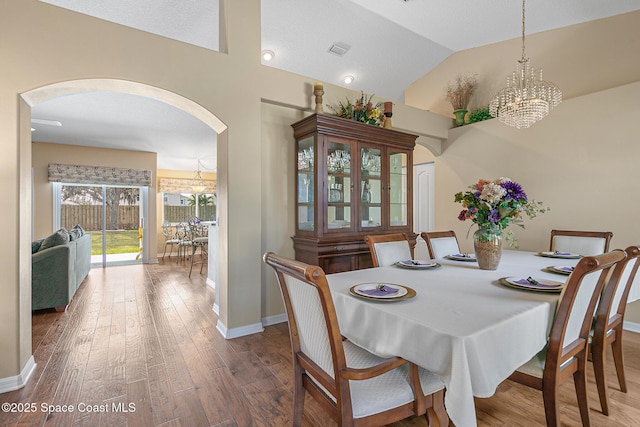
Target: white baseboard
631, 327
211, 283
19, 381
238, 332
248, 329
274, 320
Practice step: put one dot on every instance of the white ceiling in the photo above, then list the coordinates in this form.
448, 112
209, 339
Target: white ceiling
392, 44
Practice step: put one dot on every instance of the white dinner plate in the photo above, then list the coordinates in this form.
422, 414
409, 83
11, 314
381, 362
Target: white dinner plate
417, 264
536, 284
370, 290
561, 269
560, 254
462, 257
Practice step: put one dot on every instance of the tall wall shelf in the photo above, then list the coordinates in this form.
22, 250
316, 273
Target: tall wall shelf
352, 179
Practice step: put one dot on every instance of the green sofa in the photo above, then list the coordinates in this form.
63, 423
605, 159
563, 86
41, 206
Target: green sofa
59, 264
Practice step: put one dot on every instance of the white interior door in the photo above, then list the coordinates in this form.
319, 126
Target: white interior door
423, 204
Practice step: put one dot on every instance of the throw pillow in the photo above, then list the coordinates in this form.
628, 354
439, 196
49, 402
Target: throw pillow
74, 234
79, 229
60, 237
35, 245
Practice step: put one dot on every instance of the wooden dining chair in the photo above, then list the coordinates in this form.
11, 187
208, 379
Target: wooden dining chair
441, 243
608, 325
387, 249
354, 386
566, 351
585, 243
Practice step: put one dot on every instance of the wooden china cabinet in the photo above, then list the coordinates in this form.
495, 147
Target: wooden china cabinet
352, 179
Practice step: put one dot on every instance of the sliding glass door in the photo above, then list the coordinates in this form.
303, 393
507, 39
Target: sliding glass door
111, 214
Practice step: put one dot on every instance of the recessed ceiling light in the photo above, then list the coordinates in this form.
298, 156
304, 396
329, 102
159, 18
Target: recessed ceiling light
268, 55
348, 79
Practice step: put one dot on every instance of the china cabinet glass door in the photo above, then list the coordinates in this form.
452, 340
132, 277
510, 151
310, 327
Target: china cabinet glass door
397, 189
306, 184
338, 214
370, 187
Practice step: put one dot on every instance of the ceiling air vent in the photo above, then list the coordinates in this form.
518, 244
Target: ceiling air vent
339, 48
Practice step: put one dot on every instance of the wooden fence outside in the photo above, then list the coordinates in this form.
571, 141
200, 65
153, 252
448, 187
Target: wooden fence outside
90, 217
182, 213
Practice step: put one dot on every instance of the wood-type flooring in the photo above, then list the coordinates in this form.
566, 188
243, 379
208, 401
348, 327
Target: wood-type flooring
138, 346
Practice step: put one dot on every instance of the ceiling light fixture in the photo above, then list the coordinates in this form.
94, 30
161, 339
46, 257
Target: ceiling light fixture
198, 185
268, 55
527, 98
348, 79
46, 122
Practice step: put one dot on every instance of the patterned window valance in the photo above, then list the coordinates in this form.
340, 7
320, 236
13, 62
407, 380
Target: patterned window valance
98, 175
182, 185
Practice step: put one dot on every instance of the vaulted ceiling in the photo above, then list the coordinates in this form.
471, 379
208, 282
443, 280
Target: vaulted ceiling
390, 44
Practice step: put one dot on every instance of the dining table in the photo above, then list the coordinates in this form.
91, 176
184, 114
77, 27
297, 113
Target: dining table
466, 325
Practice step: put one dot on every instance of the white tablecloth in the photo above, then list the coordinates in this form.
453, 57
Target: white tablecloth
463, 324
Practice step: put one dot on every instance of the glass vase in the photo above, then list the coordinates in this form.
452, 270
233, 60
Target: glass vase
487, 242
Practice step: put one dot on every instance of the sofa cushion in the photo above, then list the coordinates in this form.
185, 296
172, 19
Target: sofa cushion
60, 237
35, 245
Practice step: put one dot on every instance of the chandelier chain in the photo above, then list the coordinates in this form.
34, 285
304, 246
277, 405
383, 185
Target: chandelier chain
523, 28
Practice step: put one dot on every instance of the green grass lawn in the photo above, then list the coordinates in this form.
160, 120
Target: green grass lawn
118, 242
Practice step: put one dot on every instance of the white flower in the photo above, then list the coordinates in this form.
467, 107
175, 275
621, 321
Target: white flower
492, 193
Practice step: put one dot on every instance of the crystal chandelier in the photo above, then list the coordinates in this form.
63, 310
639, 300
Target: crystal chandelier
527, 98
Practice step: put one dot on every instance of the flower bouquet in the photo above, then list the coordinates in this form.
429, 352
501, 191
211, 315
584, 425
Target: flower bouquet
363, 110
494, 205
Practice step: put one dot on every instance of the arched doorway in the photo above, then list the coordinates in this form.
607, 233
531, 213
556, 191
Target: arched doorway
42, 94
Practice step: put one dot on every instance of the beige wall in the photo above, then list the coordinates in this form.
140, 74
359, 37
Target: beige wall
581, 161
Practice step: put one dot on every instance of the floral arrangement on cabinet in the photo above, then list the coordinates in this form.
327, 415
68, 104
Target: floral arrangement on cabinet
363, 110
494, 205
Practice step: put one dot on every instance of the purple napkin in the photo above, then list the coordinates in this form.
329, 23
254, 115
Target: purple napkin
414, 262
375, 292
567, 269
463, 256
562, 253
525, 282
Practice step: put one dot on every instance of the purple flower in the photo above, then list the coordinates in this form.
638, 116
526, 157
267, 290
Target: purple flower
494, 216
514, 190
